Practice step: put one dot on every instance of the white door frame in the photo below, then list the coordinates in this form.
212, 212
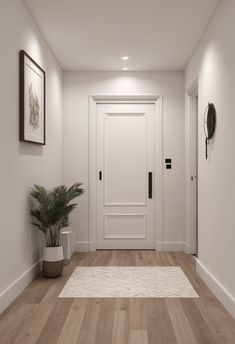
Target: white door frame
190, 226
148, 99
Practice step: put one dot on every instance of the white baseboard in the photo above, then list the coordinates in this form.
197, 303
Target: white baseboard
92, 246
85, 246
14, 289
81, 246
217, 288
189, 249
171, 246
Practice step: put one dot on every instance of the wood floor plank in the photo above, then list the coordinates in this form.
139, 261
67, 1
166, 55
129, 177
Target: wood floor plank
102, 258
220, 323
122, 304
157, 259
112, 259
51, 331
124, 258
200, 329
121, 324
29, 330
138, 314
171, 259
138, 337
165, 258
160, 329
182, 329
147, 257
11, 323
87, 332
35, 294
53, 292
139, 259
104, 328
71, 328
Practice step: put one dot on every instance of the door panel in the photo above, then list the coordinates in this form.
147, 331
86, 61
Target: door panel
125, 155
125, 226
125, 159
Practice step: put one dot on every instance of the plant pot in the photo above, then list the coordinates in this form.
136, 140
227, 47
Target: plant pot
53, 261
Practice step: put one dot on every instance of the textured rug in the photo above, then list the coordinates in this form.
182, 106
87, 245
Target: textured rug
131, 282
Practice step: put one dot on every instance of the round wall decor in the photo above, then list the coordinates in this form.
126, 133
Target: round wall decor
209, 123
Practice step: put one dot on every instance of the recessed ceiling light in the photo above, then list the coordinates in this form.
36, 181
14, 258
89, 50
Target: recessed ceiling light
125, 68
125, 58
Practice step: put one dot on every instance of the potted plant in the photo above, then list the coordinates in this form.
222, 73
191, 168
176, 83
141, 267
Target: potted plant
52, 214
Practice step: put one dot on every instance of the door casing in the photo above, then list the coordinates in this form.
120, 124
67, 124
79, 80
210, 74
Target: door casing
158, 153
191, 162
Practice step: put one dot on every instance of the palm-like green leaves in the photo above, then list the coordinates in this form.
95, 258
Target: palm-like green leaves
53, 209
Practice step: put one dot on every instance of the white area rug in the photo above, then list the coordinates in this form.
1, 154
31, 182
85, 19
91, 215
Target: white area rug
131, 282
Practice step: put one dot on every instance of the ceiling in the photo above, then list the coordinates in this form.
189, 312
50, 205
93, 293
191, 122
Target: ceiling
93, 35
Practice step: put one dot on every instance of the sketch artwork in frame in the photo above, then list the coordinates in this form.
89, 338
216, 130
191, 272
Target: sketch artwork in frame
32, 100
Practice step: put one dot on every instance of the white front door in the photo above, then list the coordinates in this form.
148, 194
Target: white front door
125, 176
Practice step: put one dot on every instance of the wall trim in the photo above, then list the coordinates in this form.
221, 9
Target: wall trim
157, 100
225, 297
187, 249
81, 246
171, 246
86, 246
14, 289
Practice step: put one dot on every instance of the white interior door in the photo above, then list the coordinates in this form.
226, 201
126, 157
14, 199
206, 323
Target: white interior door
125, 176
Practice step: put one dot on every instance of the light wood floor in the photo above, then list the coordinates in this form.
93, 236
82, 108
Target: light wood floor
38, 316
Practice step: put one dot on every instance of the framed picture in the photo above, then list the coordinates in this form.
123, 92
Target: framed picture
32, 100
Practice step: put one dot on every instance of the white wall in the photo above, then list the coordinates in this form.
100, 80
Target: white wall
77, 88
214, 65
23, 164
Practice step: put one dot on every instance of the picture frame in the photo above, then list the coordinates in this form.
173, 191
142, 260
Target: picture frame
32, 93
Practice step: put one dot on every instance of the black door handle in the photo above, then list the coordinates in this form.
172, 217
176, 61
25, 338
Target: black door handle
100, 175
150, 184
